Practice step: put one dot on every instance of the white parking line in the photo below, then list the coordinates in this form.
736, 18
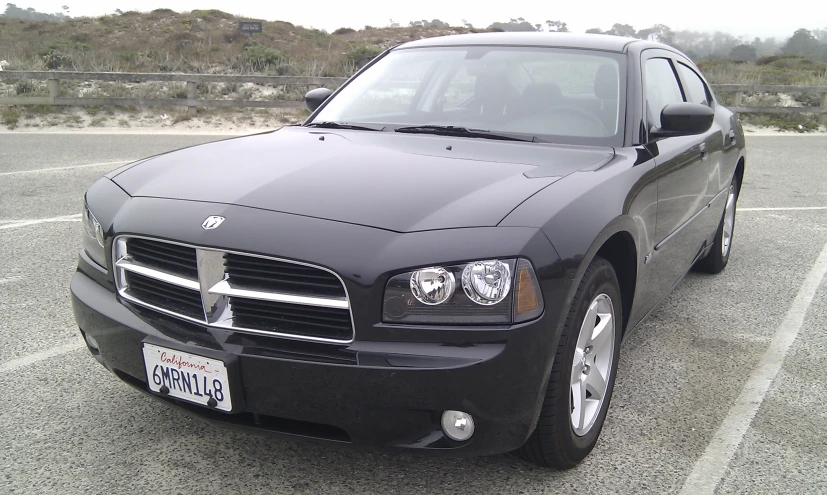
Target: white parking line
711, 466
24, 223
57, 169
7, 280
791, 208
39, 356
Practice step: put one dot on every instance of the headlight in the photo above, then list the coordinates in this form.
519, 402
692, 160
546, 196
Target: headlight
93, 238
432, 286
486, 282
494, 292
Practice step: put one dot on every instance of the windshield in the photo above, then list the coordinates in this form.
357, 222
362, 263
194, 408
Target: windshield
555, 95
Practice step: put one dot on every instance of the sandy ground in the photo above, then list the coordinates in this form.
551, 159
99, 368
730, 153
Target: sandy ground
244, 121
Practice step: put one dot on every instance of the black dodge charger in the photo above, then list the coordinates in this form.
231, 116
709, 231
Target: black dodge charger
446, 256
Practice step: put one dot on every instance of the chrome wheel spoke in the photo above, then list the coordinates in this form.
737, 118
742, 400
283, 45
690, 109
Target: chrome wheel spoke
576, 370
588, 327
595, 384
602, 333
579, 405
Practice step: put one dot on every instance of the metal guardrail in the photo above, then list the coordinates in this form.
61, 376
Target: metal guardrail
192, 101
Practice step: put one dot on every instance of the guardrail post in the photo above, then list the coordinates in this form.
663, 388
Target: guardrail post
823, 104
736, 102
54, 87
192, 93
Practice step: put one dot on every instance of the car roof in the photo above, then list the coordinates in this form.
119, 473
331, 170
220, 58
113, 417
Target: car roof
558, 40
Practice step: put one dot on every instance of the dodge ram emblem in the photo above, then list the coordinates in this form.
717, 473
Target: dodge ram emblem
212, 222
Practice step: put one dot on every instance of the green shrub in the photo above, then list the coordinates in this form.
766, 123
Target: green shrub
261, 57
10, 117
211, 14
362, 55
790, 123
344, 30
63, 46
23, 87
767, 60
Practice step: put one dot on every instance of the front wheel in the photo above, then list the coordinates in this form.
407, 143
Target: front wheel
718, 257
583, 374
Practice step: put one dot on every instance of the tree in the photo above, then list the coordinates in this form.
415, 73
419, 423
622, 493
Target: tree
803, 44
594, 31
622, 30
30, 14
518, 24
659, 32
557, 26
743, 53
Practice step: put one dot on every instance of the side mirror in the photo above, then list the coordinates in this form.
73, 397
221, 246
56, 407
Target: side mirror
683, 119
315, 97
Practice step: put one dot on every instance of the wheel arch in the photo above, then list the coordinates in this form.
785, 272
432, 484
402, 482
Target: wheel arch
739, 172
616, 243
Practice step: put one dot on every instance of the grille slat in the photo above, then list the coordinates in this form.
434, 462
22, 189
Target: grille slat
164, 295
280, 276
290, 318
176, 259
259, 277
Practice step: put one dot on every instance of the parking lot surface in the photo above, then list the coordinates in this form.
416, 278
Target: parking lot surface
721, 390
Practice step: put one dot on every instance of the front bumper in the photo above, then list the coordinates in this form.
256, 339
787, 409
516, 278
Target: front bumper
387, 394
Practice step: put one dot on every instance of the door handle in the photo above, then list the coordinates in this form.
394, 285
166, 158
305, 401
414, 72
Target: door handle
704, 153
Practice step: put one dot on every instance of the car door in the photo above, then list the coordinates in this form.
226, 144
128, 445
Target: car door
683, 168
719, 140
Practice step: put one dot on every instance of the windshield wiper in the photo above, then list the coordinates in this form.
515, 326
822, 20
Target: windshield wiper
450, 130
343, 125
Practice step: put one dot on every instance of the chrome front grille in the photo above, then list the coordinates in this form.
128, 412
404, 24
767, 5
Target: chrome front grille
226, 289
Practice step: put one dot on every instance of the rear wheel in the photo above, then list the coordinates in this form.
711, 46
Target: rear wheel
582, 377
718, 257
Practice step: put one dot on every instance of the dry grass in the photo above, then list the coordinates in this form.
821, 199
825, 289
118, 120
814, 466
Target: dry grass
780, 71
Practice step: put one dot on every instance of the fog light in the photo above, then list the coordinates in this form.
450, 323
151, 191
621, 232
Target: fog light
457, 425
91, 342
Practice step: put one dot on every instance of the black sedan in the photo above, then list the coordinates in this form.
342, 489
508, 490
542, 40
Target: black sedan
445, 256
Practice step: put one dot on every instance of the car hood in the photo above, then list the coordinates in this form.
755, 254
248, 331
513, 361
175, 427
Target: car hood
398, 182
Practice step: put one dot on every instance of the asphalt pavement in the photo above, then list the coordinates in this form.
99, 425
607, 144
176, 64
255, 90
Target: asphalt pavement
722, 389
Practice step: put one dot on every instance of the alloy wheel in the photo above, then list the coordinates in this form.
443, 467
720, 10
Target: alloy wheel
592, 366
729, 221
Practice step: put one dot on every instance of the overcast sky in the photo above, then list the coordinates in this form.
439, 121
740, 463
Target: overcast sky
738, 17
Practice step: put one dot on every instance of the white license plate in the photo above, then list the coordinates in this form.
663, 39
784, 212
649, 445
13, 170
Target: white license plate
188, 376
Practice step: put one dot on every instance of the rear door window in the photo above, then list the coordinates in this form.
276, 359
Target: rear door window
693, 86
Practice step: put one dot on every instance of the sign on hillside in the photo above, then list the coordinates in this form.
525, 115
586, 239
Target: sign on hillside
249, 27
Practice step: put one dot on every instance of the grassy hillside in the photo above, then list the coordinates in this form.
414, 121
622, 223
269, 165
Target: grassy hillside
202, 41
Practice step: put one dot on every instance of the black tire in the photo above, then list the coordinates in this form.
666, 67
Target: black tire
554, 442
716, 260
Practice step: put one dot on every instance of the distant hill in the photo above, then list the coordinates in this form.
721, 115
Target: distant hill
203, 41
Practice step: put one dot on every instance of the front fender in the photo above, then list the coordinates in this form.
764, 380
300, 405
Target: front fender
585, 209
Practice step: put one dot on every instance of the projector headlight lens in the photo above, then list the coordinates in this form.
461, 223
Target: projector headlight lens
433, 285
